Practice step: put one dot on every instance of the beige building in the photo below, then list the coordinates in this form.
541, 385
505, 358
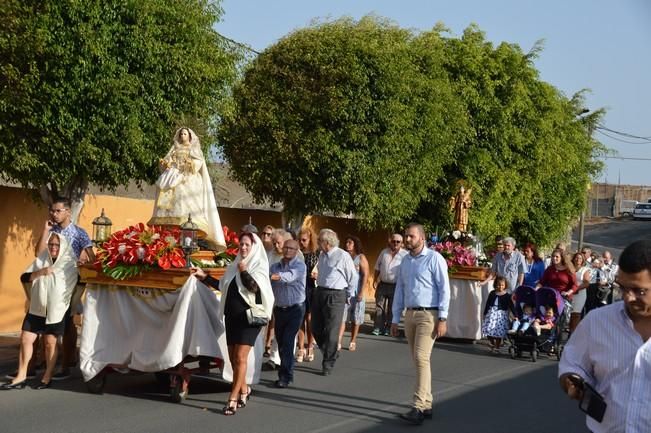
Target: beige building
606, 199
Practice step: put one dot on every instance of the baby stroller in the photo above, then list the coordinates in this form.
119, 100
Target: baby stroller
549, 341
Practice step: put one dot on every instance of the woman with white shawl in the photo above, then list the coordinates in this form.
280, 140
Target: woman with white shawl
246, 291
184, 189
49, 282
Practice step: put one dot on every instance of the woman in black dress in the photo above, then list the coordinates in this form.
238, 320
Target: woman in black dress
246, 279
307, 241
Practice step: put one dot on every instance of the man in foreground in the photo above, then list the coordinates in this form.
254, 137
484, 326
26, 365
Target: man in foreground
423, 288
611, 351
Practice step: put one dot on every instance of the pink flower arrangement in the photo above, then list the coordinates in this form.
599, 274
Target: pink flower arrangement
455, 254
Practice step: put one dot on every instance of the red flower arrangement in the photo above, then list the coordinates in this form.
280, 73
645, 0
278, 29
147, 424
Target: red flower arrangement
232, 246
138, 248
455, 254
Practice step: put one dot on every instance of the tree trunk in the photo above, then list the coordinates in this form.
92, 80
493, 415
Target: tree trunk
292, 222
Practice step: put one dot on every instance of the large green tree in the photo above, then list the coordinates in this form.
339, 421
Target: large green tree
339, 117
529, 156
368, 118
91, 91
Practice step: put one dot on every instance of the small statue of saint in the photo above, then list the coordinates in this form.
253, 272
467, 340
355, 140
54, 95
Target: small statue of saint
184, 188
461, 203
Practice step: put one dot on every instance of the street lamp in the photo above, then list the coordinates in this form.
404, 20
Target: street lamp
101, 229
189, 239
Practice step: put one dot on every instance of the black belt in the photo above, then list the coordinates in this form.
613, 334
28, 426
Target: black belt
328, 288
288, 306
422, 308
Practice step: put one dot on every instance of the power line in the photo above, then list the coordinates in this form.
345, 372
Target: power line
646, 141
626, 157
625, 134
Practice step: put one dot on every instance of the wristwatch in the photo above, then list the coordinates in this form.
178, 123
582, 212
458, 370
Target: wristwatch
443, 319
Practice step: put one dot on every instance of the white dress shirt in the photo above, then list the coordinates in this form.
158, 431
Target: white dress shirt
336, 270
608, 353
388, 264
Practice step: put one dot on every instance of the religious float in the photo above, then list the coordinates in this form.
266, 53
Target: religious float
467, 269
143, 311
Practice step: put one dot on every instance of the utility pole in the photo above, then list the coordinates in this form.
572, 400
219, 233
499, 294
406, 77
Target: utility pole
582, 217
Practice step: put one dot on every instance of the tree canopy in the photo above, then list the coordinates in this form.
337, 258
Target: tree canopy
92, 91
367, 118
339, 118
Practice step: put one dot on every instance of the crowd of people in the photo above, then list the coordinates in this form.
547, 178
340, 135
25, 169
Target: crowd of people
317, 288
584, 279
306, 290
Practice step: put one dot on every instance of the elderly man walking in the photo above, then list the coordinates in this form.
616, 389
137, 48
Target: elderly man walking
509, 264
288, 285
386, 269
336, 283
423, 288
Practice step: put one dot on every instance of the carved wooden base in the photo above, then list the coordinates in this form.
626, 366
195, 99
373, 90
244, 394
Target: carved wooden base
170, 279
478, 273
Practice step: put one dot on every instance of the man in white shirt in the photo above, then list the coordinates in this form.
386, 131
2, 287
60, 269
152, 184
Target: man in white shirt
336, 282
384, 282
611, 350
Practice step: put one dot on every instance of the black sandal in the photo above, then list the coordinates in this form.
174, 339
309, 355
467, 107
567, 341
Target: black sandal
229, 409
244, 398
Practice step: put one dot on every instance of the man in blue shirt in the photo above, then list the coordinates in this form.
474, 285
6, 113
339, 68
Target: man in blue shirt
288, 285
423, 288
509, 264
60, 222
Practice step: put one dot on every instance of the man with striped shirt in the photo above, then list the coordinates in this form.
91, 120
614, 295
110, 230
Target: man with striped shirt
611, 350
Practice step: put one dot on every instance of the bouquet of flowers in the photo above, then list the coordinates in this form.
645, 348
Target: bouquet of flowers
138, 248
232, 248
455, 254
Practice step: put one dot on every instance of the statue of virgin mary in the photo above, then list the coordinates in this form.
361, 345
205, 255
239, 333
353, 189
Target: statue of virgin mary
184, 189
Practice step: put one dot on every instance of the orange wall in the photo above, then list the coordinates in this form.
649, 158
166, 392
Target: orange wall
21, 222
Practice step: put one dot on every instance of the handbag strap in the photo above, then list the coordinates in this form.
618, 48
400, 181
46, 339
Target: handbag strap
258, 297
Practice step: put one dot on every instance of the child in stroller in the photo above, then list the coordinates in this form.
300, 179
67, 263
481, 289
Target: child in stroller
521, 324
546, 322
545, 334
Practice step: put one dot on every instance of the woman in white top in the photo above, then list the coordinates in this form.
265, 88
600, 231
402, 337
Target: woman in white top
49, 282
583, 275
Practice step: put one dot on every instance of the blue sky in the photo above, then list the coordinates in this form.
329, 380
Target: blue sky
597, 44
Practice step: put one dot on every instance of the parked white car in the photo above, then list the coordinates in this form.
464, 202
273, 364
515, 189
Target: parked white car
642, 211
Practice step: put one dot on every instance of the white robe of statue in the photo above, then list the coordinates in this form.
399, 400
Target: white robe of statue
184, 189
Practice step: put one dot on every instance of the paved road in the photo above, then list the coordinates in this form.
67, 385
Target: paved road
615, 234
475, 392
